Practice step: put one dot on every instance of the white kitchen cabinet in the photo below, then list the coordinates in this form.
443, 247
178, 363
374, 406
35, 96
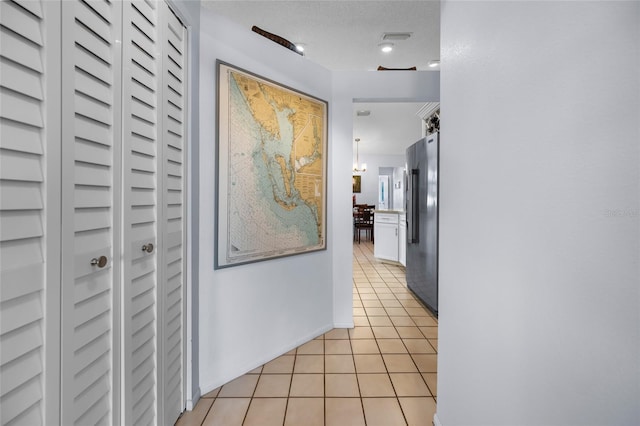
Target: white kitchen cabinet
402, 239
386, 236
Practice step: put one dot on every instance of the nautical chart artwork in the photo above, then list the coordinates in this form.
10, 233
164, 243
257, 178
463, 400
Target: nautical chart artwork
271, 163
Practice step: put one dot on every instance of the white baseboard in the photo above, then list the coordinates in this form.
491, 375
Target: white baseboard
436, 420
343, 324
191, 403
208, 387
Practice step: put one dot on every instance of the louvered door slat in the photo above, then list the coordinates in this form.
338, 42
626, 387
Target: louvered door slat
20, 79
21, 21
20, 137
172, 273
23, 115
90, 99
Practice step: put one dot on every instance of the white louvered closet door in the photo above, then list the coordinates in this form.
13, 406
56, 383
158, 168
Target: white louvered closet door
141, 80
29, 240
91, 212
172, 217
91, 193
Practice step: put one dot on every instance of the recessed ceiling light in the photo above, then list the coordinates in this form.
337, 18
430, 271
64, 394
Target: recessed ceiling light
386, 47
434, 63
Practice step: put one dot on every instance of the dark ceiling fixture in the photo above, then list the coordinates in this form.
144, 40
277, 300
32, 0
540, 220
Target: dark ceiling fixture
273, 37
381, 68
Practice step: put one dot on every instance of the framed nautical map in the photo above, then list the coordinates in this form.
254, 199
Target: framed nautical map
271, 160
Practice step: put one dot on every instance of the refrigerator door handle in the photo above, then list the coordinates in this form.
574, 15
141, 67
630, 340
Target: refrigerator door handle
415, 206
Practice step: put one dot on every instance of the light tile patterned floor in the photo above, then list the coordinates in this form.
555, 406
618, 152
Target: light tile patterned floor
381, 372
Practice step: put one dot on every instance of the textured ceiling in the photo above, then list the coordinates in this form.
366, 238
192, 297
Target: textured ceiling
344, 35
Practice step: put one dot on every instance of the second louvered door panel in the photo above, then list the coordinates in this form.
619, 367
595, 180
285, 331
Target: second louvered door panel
172, 215
141, 73
90, 211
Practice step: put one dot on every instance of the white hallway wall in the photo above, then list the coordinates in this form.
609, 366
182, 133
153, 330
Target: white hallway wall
250, 314
540, 214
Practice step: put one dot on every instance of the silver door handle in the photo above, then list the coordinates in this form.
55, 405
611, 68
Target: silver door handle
100, 262
147, 248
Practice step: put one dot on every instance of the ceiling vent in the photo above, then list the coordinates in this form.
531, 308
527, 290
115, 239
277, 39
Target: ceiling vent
395, 36
363, 113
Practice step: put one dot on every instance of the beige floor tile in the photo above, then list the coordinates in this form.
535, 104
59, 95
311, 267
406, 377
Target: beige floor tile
311, 348
417, 312
292, 351
305, 411
361, 333
391, 346
409, 384
256, 370
337, 334
372, 304
385, 332
366, 296
366, 290
380, 321
429, 332
357, 304
383, 412
243, 386
434, 343
373, 385
427, 363
227, 412
266, 412
281, 365
386, 296
425, 322
399, 363
307, 385
364, 346
344, 412
418, 411
409, 332
361, 321
404, 293
391, 303
360, 311
336, 347
309, 364
428, 321
341, 385
432, 382
198, 414
397, 312
376, 312
369, 364
320, 337
402, 321
215, 392
339, 364
418, 346
408, 303
273, 385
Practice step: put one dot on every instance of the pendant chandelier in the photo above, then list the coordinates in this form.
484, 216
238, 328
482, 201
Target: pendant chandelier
357, 168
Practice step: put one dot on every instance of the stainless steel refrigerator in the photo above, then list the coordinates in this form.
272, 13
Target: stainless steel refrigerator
422, 220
